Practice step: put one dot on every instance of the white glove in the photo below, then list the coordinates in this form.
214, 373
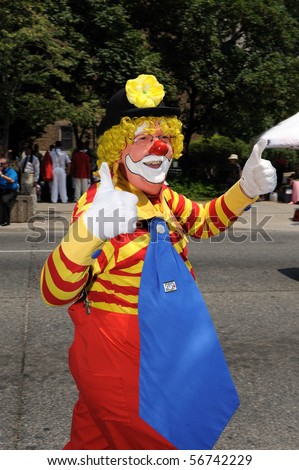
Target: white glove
112, 212
258, 175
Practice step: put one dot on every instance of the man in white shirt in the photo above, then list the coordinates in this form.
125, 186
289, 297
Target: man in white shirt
61, 163
30, 171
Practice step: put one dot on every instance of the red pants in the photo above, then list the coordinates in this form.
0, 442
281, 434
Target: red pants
104, 361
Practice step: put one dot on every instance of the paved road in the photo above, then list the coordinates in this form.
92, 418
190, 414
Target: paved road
249, 279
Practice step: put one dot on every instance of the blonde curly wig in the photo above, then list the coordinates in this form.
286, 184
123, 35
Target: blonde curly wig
115, 139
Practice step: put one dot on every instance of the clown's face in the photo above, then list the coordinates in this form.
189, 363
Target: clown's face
146, 161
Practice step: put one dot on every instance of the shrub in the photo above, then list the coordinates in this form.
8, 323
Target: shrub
197, 191
207, 159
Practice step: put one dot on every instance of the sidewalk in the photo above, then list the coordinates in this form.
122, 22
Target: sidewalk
48, 216
276, 216
57, 216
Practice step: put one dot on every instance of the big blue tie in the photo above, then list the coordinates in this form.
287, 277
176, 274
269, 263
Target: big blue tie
186, 390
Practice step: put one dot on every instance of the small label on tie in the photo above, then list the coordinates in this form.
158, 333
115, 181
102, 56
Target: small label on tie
160, 228
169, 286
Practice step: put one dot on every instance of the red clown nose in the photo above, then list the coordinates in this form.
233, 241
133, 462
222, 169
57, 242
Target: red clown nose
159, 148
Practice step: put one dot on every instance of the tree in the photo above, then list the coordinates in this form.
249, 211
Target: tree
117, 51
235, 62
36, 59
208, 157
231, 65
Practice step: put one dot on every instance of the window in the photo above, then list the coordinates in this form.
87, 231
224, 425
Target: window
66, 137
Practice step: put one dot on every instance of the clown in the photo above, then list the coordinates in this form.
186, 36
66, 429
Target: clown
145, 357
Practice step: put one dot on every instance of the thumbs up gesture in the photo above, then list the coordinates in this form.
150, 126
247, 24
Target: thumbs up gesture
112, 212
258, 175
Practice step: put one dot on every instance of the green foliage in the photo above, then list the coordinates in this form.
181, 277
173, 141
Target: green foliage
36, 60
235, 61
118, 50
208, 157
233, 65
287, 159
195, 190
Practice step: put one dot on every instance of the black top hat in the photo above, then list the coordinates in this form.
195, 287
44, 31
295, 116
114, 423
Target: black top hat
119, 106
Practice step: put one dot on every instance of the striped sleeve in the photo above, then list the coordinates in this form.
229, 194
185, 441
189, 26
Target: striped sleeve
209, 219
66, 271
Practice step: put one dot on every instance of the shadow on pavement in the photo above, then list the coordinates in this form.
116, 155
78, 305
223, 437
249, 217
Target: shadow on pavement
293, 273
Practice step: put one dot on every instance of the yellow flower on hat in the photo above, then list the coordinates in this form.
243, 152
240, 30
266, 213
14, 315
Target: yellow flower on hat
144, 91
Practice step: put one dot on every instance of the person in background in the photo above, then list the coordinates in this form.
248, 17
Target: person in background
30, 173
37, 153
80, 171
280, 164
8, 190
234, 170
93, 160
46, 175
61, 164
14, 163
293, 181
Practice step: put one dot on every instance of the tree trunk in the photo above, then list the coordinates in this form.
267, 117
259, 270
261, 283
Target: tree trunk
188, 134
6, 122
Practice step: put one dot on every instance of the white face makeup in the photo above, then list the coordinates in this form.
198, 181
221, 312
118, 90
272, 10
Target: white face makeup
141, 128
145, 162
152, 168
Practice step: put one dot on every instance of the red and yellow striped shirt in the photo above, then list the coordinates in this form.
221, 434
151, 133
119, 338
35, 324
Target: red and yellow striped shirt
112, 279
